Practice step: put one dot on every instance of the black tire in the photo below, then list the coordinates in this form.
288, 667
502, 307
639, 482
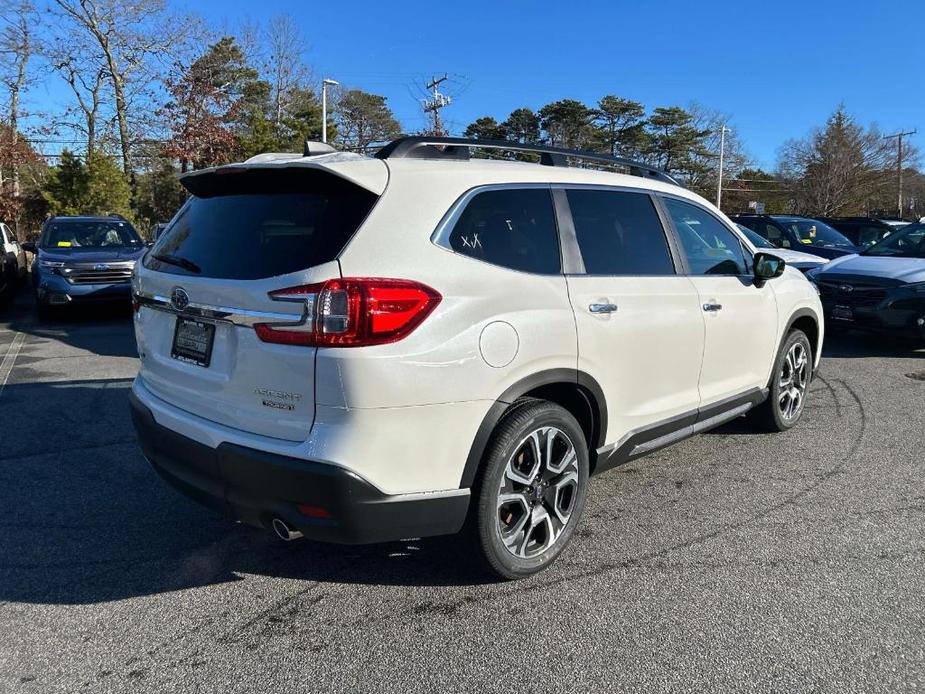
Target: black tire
771, 414
553, 494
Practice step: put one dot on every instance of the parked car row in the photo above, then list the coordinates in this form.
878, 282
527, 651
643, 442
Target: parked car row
544, 323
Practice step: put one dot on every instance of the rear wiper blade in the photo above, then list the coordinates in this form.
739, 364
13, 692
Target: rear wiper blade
178, 261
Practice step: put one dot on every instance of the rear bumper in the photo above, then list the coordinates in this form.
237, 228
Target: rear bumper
255, 487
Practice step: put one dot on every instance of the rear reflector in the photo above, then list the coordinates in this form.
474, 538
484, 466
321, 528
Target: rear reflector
354, 312
310, 511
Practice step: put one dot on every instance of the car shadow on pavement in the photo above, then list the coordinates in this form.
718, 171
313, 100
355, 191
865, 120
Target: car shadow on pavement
102, 329
858, 344
84, 518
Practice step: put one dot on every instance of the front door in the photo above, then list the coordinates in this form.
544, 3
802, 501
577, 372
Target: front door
740, 317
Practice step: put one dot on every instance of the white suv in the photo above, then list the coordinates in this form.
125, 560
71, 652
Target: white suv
362, 349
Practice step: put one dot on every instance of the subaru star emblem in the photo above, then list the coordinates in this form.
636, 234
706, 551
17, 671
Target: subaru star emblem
99, 267
845, 288
179, 298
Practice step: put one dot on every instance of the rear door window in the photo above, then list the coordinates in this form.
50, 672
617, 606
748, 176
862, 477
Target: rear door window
511, 227
619, 233
255, 224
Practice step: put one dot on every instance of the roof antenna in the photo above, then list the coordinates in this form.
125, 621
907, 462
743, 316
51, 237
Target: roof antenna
313, 148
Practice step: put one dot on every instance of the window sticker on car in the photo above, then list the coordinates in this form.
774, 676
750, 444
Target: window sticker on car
64, 244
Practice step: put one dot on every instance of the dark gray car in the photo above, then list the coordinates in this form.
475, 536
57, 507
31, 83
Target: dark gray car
881, 288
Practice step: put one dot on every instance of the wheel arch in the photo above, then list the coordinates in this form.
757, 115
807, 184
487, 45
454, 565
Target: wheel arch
807, 320
576, 391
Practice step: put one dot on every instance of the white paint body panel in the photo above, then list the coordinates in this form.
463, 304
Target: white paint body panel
646, 355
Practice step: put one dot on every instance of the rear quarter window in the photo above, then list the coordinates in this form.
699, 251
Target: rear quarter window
511, 227
255, 224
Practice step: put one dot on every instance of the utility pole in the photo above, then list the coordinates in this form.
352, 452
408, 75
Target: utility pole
436, 102
899, 163
325, 83
722, 151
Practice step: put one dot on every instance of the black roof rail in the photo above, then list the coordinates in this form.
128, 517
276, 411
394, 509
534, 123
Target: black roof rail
425, 147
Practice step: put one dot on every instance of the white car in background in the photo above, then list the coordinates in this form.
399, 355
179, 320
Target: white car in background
801, 261
363, 349
13, 255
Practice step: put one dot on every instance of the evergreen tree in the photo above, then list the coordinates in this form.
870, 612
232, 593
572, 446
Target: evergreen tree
567, 123
620, 127
96, 187
674, 141
364, 119
523, 126
485, 128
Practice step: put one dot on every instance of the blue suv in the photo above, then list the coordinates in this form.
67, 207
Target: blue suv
84, 259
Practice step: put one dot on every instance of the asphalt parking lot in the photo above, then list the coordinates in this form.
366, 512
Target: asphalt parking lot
733, 561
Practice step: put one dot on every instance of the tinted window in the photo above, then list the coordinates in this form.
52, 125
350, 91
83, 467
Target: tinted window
88, 233
260, 224
906, 243
867, 235
710, 247
811, 232
513, 227
619, 233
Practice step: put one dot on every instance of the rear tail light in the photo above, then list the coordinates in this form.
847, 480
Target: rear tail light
353, 312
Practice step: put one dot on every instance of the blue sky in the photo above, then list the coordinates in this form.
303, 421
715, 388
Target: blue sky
778, 68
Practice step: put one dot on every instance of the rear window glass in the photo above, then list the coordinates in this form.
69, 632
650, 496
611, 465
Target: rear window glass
619, 233
511, 227
256, 224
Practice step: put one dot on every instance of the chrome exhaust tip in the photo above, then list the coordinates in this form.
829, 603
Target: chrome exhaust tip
284, 532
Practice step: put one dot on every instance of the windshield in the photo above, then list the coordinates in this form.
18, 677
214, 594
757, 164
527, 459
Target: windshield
908, 242
811, 232
757, 240
94, 233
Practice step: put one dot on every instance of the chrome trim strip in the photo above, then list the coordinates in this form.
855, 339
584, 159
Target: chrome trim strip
225, 314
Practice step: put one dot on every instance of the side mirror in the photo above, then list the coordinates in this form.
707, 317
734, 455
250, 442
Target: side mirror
29, 246
767, 267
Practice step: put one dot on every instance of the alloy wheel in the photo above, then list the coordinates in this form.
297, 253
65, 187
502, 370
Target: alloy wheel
792, 382
538, 492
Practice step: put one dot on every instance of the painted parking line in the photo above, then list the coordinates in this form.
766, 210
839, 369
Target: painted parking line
6, 368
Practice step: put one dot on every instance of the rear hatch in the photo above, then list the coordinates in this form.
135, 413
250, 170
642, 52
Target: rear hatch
244, 233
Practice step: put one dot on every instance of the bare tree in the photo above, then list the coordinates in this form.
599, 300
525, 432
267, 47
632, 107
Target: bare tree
133, 40
87, 78
706, 158
285, 66
838, 169
15, 51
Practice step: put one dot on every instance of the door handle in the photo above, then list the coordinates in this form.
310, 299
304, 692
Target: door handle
602, 308
712, 307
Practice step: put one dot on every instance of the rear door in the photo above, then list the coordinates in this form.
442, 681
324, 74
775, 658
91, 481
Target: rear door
208, 281
640, 328
740, 317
